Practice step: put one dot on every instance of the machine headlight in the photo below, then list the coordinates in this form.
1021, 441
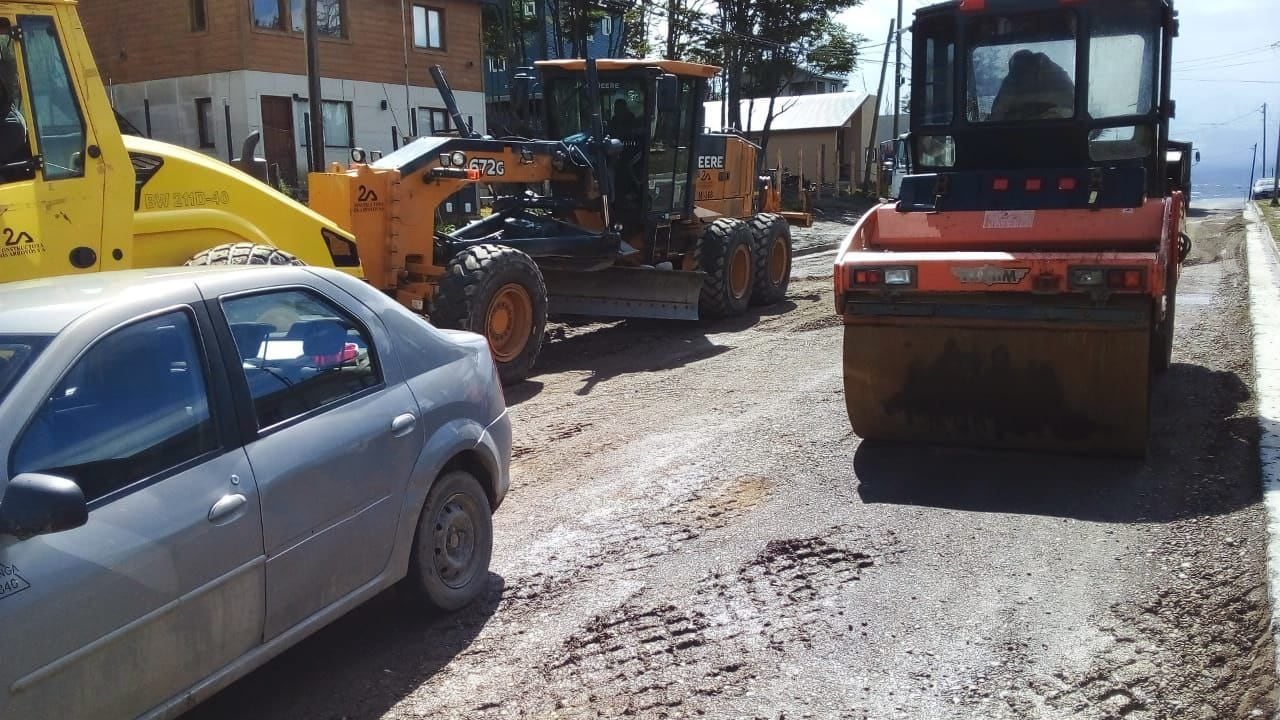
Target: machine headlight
897, 276
1087, 277
458, 158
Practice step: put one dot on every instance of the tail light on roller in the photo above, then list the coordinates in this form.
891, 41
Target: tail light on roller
864, 277
1088, 278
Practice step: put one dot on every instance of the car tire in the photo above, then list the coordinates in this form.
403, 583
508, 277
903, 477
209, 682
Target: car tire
772, 238
724, 253
244, 254
453, 544
498, 292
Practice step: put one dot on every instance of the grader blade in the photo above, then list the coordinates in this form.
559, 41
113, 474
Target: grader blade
1079, 388
624, 293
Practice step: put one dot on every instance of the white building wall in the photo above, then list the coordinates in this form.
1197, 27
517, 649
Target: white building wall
173, 109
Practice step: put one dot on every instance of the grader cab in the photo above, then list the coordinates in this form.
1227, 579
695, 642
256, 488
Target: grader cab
631, 209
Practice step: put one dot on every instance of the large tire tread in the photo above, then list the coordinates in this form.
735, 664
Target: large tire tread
714, 248
765, 228
471, 279
243, 253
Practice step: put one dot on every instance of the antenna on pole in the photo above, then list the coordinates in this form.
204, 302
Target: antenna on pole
897, 76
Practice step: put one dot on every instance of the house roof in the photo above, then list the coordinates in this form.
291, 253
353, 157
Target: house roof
795, 112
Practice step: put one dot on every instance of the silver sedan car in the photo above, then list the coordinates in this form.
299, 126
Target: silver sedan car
201, 467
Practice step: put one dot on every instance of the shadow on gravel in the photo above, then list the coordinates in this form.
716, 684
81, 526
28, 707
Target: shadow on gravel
636, 345
365, 662
521, 392
1201, 461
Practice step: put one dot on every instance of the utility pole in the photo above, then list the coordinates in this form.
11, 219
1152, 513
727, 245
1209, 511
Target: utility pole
1275, 169
875, 119
316, 161
1264, 140
897, 76
1253, 165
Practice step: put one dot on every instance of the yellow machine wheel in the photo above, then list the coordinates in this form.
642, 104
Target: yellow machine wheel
772, 236
724, 253
244, 254
498, 292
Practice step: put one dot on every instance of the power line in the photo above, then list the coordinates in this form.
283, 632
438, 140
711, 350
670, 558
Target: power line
1246, 115
1218, 80
1210, 58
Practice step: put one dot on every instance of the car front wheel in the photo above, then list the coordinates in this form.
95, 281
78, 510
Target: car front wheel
449, 563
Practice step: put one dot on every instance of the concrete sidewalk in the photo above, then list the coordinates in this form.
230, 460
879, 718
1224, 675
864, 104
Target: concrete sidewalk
1264, 308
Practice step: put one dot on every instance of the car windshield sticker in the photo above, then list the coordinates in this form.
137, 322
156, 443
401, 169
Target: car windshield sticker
11, 583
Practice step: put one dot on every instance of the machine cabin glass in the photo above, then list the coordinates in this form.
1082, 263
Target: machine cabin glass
1061, 87
651, 172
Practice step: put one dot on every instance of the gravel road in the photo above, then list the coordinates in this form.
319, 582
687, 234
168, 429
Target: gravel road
693, 531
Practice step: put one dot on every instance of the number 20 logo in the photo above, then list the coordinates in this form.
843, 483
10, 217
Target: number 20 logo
489, 166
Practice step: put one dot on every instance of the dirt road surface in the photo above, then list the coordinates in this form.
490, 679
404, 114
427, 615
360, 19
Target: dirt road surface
693, 531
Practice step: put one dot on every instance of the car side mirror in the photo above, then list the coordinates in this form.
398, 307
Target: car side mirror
1197, 156
36, 504
668, 91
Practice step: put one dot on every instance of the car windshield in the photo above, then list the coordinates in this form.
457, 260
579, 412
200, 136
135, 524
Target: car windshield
16, 355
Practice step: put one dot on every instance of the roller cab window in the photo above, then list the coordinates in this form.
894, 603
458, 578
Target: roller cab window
16, 157
43, 127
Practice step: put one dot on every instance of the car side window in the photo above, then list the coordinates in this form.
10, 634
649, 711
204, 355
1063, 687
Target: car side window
135, 405
299, 352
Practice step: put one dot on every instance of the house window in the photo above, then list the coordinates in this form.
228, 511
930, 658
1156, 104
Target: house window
530, 9
606, 25
433, 120
337, 124
428, 27
329, 15
285, 15
204, 121
198, 22
497, 64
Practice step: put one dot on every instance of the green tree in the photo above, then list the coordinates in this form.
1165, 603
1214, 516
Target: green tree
778, 40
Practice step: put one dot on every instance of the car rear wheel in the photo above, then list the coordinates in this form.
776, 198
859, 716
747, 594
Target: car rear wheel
449, 562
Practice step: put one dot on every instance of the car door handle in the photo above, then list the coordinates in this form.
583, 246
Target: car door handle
225, 507
403, 425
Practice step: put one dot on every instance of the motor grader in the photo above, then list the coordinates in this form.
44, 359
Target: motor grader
1020, 291
633, 209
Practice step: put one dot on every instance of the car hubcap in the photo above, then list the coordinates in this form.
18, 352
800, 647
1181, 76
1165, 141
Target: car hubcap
509, 322
740, 271
455, 541
778, 261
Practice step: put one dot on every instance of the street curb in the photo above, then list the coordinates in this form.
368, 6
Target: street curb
1264, 310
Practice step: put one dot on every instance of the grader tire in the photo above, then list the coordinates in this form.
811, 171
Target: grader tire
772, 236
724, 253
243, 254
498, 292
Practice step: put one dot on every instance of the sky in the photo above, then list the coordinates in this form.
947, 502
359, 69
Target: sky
1222, 44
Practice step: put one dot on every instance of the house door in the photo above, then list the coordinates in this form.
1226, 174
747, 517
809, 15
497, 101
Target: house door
278, 144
